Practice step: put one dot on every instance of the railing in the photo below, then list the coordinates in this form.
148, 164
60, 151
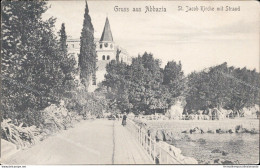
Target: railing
191, 117
156, 152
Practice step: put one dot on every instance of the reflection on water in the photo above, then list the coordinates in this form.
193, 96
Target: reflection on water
237, 148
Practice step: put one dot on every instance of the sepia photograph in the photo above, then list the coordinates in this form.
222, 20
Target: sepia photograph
130, 82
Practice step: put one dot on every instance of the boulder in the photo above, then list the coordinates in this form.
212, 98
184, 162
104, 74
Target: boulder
227, 162
230, 131
220, 131
196, 130
253, 131
224, 153
216, 151
201, 141
239, 129
216, 161
210, 131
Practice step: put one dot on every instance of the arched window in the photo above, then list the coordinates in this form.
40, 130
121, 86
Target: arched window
104, 57
100, 46
108, 57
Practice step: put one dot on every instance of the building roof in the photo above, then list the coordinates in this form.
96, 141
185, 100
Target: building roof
107, 34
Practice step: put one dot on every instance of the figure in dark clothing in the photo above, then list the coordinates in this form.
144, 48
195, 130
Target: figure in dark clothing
124, 119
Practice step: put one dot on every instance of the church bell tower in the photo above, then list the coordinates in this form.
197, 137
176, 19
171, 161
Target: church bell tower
106, 48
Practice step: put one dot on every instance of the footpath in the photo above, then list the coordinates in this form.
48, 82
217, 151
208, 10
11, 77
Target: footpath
89, 142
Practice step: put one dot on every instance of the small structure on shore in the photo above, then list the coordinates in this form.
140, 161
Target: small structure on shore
175, 111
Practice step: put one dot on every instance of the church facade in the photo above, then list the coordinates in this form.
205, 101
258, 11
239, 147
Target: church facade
106, 50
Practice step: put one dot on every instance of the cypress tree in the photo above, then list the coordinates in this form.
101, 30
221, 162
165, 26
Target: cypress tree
63, 39
67, 64
87, 56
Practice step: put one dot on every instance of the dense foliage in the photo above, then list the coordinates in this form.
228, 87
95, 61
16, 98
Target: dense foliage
223, 87
141, 86
35, 67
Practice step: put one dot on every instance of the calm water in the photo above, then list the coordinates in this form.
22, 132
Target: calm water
243, 148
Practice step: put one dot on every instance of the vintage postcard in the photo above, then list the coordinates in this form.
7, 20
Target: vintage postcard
130, 82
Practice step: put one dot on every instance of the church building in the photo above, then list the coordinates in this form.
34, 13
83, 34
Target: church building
106, 50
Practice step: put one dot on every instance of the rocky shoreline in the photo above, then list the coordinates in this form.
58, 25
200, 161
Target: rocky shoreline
218, 155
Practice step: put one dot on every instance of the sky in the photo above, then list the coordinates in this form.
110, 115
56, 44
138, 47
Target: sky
198, 39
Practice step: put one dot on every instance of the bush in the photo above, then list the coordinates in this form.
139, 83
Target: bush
21, 136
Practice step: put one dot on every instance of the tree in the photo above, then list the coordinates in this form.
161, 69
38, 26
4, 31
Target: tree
223, 87
173, 80
87, 55
63, 38
67, 65
136, 87
118, 85
31, 61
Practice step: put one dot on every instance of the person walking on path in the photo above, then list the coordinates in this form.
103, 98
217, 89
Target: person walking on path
124, 119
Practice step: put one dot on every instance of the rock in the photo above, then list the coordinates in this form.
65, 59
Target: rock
220, 131
202, 141
216, 151
240, 129
216, 161
227, 162
196, 130
210, 132
184, 132
222, 161
224, 153
191, 131
230, 131
219, 151
254, 131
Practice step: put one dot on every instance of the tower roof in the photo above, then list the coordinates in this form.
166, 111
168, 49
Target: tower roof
107, 34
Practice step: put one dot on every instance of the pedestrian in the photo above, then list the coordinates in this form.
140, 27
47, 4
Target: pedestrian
124, 119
